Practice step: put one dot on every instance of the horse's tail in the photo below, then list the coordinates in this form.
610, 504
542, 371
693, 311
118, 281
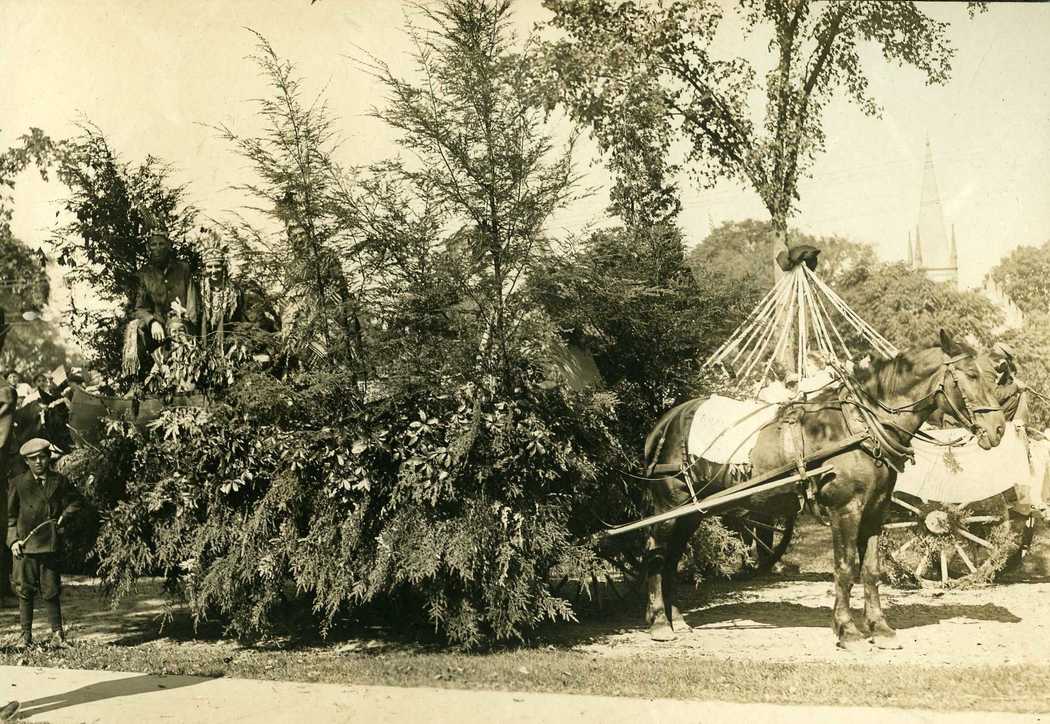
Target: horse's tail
654, 441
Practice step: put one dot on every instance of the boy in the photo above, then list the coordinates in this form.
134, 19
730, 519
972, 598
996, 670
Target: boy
38, 502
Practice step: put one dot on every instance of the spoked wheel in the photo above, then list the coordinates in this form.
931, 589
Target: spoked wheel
768, 538
945, 544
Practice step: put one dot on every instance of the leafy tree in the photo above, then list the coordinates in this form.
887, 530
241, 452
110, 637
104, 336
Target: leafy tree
33, 148
23, 281
29, 344
458, 482
308, 262
736, 250
908, 309
629, 296
104, 242
1024, 274
648, 75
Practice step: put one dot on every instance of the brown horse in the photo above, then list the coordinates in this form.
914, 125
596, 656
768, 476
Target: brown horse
889, 404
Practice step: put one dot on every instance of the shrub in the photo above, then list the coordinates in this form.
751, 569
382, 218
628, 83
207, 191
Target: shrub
451, 502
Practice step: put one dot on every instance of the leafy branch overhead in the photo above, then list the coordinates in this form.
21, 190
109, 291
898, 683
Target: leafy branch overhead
650, 76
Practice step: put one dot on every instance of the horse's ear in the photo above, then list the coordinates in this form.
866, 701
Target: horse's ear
948, 345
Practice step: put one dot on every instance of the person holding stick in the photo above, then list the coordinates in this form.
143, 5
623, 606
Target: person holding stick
38, 503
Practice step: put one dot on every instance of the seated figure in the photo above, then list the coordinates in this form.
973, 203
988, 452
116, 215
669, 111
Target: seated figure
222, 303
164, 284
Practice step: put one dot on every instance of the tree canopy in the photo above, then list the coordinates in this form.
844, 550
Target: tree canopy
1024, 275
648, 76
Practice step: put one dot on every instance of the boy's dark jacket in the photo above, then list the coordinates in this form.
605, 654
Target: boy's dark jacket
30, 503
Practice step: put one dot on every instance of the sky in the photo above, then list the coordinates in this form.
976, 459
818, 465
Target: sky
157, 76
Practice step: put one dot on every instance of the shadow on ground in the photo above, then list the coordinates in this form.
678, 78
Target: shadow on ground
102, 690
780, 614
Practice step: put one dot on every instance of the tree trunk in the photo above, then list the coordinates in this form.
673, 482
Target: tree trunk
779, 242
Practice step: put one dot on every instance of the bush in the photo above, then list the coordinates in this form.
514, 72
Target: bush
451, 503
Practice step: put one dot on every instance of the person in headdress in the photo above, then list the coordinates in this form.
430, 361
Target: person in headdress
165, 284
39, 502
222, 303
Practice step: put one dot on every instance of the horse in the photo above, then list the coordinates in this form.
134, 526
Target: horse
888, 403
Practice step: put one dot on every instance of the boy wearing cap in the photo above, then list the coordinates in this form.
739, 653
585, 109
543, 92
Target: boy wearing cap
38, 502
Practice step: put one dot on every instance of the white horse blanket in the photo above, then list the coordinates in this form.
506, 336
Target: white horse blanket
724, 430
969, 473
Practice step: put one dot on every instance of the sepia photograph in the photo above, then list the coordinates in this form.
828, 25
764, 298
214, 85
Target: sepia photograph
529, 361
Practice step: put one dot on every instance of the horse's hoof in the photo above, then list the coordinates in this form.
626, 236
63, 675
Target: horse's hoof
853, 646
887, 642
662, 633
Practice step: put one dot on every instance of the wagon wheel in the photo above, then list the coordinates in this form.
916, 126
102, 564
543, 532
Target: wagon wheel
768, 537
944, 544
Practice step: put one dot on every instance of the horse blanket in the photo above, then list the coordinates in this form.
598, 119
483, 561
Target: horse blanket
968, 473
724, 430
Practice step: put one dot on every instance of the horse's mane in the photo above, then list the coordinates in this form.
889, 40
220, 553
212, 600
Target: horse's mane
883, 377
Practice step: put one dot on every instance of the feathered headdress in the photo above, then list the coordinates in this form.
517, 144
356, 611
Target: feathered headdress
212, 247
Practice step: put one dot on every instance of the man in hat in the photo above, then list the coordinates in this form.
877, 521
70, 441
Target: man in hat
1009, 390
162, 282
8, 404
38, 503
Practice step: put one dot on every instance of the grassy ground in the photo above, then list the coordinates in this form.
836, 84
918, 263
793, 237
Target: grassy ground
592, 657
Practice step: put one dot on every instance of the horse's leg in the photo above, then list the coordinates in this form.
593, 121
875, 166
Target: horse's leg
656, 609
882, 635
682, 532
845, 527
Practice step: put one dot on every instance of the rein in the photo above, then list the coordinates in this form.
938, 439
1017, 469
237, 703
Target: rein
878, 428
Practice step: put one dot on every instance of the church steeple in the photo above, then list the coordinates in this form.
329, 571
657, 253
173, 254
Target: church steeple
935, 253
911, 254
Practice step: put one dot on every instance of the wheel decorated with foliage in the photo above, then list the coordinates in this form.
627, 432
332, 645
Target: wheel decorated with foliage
945, 545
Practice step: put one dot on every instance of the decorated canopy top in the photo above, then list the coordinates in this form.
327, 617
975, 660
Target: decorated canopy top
798, 330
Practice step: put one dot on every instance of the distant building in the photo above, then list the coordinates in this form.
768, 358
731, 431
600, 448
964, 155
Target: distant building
931, 250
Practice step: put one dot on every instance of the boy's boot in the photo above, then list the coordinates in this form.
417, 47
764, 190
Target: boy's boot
25, 617
54, 617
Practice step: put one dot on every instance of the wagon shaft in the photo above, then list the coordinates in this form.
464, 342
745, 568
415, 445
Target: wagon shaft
718, 500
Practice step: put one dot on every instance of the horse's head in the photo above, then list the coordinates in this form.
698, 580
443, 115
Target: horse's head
968, 392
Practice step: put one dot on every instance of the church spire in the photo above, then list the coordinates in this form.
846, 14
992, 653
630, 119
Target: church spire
934, 252
911, 256
953, 254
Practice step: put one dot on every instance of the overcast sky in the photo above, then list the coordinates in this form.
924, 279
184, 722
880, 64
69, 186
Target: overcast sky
153, 73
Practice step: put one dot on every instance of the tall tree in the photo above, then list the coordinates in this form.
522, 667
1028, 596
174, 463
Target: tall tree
650, 74
734, 250
305, 258
26, 341
103, 241
484, 157
23, 285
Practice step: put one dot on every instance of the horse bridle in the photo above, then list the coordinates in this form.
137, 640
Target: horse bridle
969, 417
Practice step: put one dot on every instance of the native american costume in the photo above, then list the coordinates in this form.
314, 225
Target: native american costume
165, 295
222, 303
